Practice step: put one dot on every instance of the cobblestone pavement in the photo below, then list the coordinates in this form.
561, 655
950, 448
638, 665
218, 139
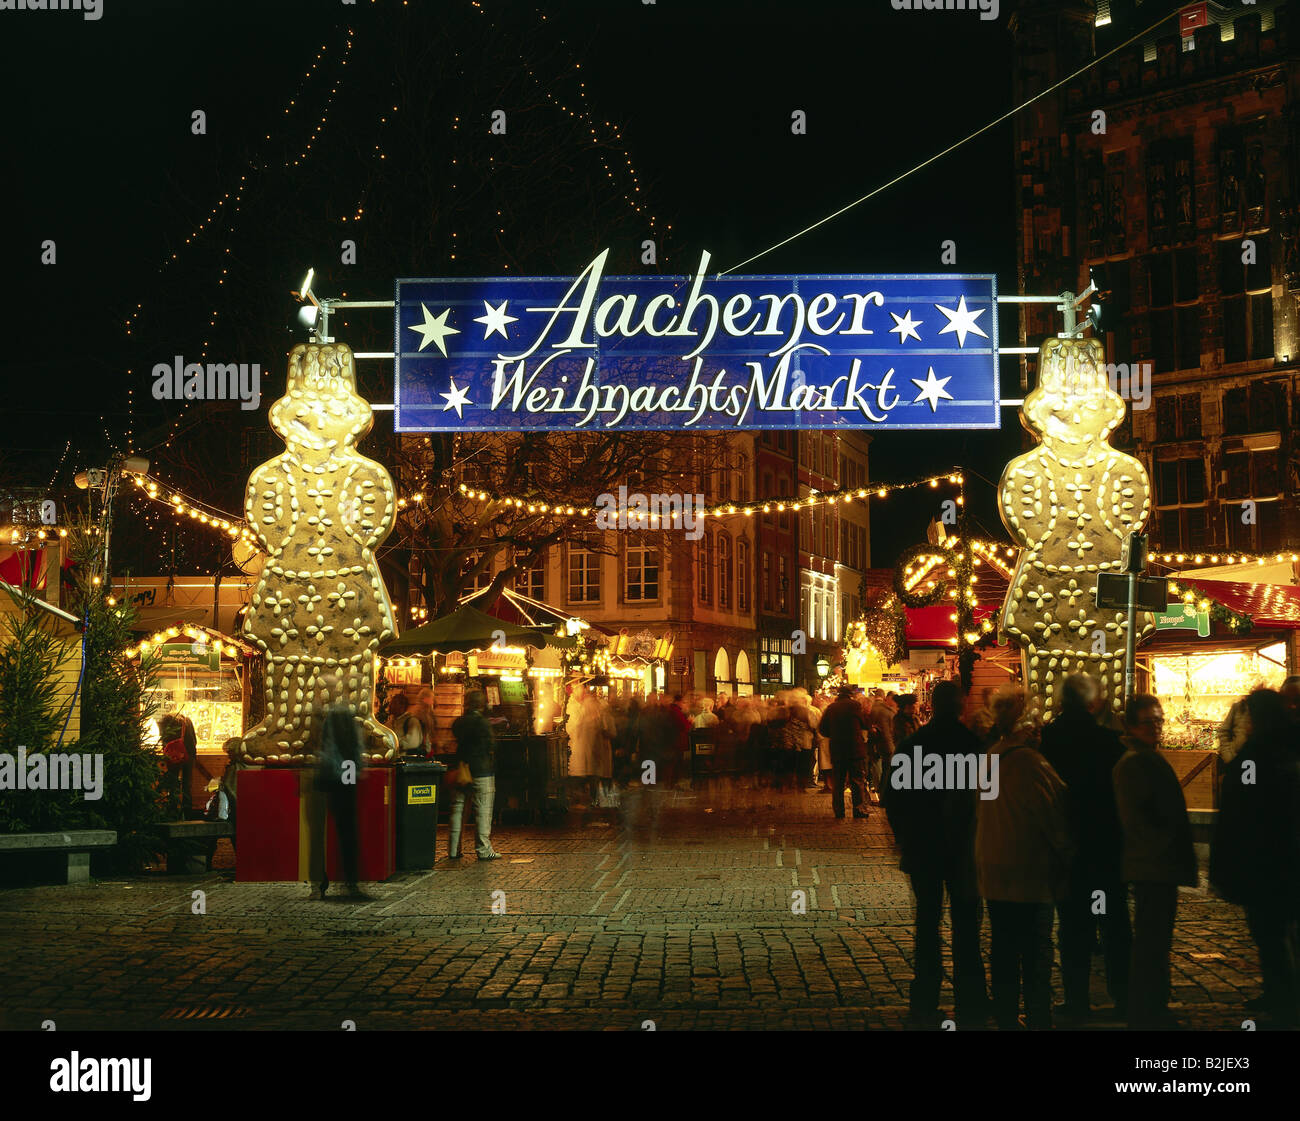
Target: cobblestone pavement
686, 913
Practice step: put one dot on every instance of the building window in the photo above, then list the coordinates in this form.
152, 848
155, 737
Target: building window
475, 581
1180, 481
1247, 291
768, 517
782, 585
807, 614
1178, 417
641, 574
742, 479
724, 570
706, 568
742, 564
1252, 475
1175, 330
584, 575
532, 580
767, 581
1263, 536
1260, 407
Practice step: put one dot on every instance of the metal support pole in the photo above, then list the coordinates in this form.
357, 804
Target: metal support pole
1130, 636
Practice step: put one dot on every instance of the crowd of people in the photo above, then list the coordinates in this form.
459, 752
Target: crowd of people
1084, 809
778, 743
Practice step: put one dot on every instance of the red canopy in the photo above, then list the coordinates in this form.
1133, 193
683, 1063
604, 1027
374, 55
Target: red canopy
1269, 605
935, 626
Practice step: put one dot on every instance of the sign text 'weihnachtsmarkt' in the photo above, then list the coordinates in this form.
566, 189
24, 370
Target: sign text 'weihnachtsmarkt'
652, 352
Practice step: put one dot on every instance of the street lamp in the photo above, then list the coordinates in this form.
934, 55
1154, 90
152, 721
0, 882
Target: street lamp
823, 668
106, 481
312, 309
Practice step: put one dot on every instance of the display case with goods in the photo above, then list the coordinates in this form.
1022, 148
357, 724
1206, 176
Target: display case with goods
1197, 690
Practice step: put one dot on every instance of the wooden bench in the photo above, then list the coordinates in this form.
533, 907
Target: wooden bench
190, 844
61, 857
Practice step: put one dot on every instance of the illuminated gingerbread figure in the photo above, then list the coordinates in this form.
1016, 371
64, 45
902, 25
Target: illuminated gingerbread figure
319, 510
1069, 503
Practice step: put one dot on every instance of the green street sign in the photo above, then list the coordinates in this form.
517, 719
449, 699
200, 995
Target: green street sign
1184, 617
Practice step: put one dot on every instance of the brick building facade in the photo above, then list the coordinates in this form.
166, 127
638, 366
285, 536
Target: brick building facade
1168, 174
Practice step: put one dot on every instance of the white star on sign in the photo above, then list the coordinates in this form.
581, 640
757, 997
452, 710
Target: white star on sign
495, 319
905, 326
962, 321
458, 397
931, 389
434, 329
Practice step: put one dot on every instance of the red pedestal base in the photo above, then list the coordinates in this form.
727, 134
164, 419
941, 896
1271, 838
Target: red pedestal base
274, 838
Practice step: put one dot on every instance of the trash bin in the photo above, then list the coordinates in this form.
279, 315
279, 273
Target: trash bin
418, 791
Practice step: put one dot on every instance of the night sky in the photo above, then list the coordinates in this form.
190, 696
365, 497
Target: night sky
102, 160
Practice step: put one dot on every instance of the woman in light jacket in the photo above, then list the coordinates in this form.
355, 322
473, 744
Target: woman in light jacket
1022, 854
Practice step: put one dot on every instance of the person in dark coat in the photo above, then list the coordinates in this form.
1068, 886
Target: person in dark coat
935, 829
845, 725
179, 776
474, 748
338, 771
1255, 858
1158, 856
1084, 754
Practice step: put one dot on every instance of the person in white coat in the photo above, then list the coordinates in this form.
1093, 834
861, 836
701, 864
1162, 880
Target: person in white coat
591, 733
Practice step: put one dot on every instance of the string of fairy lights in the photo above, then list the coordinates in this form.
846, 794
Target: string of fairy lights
997, 554
781, 504
583, 112
224, 213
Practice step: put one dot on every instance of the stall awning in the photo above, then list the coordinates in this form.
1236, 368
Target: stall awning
467, 629
935, 626
1271, 606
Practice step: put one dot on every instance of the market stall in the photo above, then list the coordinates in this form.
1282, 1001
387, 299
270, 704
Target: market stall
208, 677
519, 671
1214, 646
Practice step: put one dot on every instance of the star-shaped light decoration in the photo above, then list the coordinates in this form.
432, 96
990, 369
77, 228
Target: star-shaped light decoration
931, 389
905, 326
962, 321
434, 329
494, 319
455, 399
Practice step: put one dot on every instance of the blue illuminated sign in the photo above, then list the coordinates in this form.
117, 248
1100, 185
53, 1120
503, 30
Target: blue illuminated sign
597, 352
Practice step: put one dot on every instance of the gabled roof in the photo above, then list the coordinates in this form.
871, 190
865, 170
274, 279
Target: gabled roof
58, 611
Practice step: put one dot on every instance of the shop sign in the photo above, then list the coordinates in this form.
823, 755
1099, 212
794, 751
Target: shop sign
1184, 617
893, 677
704, 352
188, 655
422, 794
642, 645
513, 692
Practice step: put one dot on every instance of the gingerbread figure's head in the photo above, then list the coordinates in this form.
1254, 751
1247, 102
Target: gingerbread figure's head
1073, 406
320, 410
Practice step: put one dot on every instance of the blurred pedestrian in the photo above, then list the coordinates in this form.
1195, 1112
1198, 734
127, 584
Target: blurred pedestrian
935, 831
1022, 854
1291, 699
1158, 857
474, 748
180, 750
338, 772
845, 727
905, 721
1255, 858
1084, 754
